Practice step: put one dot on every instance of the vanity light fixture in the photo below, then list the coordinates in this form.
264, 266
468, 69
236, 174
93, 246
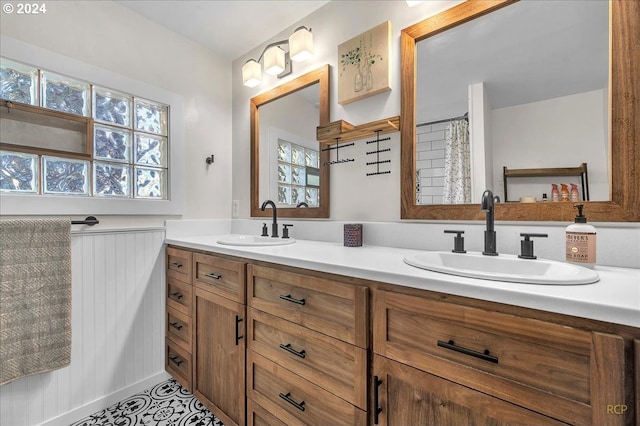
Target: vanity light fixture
277, 61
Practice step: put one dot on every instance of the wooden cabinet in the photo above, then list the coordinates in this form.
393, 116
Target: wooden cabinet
409, 396
562, 372
307, 336
178, 330
219, 339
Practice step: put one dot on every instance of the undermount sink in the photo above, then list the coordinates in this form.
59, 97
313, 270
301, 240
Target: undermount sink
253, 240
504, 267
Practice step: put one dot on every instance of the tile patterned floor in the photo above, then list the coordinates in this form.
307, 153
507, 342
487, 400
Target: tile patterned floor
165, 404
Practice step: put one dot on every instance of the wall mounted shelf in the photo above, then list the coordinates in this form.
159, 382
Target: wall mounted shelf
581, 171
346, 132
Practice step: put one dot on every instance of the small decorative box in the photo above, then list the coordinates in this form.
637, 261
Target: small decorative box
353, 235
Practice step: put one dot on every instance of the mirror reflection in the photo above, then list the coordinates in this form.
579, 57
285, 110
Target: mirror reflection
285, 152
289, 151
524, 87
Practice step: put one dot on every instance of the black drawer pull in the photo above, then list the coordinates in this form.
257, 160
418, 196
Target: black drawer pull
486, 356
214, 276
287, 397
176, 295
177, 265
288, 298
176, 325
376, 403
238, 337
176, 360
289, 349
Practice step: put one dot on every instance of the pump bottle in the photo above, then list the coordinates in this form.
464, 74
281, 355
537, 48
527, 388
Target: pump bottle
581, 241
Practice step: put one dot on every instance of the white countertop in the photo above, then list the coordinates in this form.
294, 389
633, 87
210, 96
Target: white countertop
615, 298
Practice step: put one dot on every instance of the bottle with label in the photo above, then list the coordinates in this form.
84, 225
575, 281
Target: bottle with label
555, 194
575, 196
581, 241
564, 192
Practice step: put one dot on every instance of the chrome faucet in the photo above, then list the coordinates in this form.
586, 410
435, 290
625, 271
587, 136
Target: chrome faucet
274, 225
487, 206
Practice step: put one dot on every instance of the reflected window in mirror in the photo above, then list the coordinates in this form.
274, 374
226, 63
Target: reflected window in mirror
532, 81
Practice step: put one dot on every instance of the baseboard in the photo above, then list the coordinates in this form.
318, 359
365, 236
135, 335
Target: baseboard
106, 401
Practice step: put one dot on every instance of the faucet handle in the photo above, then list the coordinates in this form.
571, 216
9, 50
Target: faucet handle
265, 232
458, 241
285, 230
526, 245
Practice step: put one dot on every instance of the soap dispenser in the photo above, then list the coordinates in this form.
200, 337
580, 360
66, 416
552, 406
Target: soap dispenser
581, 241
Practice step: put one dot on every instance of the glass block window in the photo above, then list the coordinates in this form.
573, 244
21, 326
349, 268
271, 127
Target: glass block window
298, 174
130, 152
111, 107
18, 172
65, 94
19, 82
63, 176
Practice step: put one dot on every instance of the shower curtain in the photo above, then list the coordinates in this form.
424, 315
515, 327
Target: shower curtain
457, 167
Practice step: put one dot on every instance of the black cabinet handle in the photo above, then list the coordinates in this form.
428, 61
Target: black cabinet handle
289, 349
288, 298
238, 337
287, 397
486, 355
176, 325
176, 265
176, 295
214, 276
376, 402
176, 360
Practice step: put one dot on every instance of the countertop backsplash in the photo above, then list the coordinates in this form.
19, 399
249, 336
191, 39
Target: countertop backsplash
617, 244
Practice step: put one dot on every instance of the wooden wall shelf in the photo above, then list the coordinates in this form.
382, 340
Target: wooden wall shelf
347, 132
581, 171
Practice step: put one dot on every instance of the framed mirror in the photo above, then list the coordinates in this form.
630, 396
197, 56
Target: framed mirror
620, 203
286, 158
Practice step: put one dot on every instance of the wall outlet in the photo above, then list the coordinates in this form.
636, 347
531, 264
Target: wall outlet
235, 208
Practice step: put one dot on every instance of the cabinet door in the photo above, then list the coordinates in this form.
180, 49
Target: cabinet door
219, 356
407, 396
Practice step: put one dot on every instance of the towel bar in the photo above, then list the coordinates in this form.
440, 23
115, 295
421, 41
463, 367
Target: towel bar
89, 220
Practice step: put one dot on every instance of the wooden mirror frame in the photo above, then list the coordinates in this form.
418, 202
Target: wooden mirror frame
320, 76
624, 126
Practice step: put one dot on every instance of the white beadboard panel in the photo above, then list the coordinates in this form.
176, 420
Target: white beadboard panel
117, 330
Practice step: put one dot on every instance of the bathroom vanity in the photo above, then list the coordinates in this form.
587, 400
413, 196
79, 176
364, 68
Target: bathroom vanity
333, 335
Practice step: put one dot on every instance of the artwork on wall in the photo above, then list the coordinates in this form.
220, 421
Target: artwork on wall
365, 64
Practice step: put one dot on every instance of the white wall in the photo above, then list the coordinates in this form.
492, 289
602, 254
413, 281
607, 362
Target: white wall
109, 36
553, 133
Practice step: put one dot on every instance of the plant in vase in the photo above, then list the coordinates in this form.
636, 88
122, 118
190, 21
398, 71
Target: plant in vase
362, 58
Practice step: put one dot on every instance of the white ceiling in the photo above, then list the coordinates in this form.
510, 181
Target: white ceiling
228, 28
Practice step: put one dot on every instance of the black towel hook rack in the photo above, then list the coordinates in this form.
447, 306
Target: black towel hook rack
89, 220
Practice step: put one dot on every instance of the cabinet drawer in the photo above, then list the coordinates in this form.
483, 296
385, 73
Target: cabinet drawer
339, 367
178, 328
527, 361
295, 400
258, 416
179, 295
223, 277
178, 363
326, 306
179, 264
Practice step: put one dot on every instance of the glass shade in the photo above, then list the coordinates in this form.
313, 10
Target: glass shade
274, 60
251, 73
301, 44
